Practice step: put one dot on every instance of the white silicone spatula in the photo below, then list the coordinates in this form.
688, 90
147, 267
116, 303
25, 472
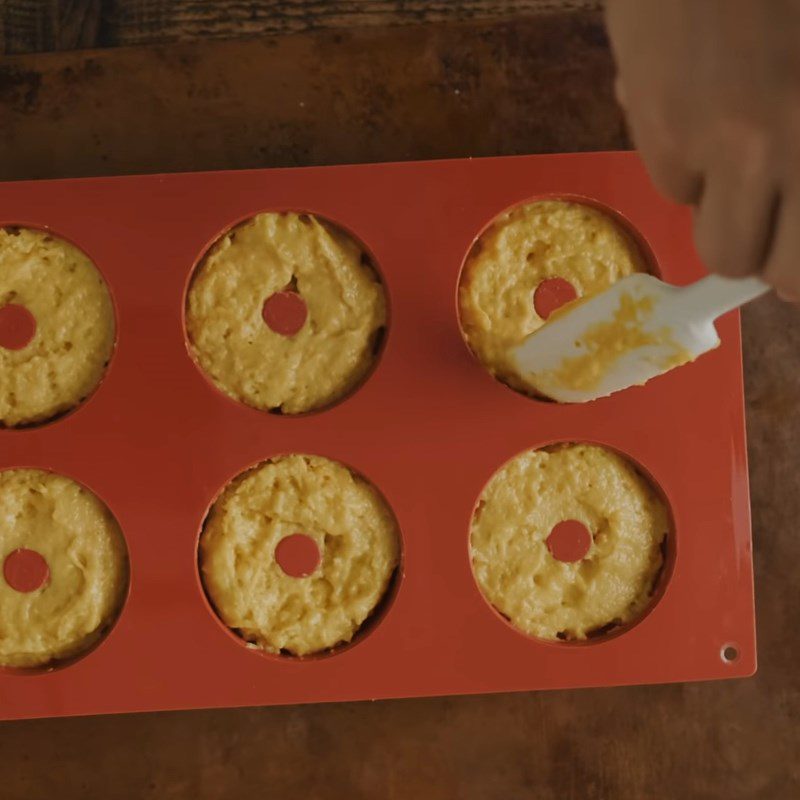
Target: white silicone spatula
637, 329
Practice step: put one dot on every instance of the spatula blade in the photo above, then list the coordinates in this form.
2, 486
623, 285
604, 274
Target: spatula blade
622, 337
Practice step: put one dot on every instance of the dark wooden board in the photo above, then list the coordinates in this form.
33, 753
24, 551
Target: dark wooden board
541, 84
28, 26
331, 97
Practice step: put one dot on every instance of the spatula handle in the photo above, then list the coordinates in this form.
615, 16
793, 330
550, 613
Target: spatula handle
712, 296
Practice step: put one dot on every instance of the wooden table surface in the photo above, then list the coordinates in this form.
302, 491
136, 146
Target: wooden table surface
529, 84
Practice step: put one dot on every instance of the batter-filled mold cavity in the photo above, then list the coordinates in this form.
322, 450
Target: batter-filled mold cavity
63, 570
286, 312
57, 327
299, 556
532, 261
571, 542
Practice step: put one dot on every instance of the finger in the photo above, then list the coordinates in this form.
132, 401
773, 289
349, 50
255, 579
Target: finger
664, 158
734, 223
671, 174
619, 92
783, 264
788, 297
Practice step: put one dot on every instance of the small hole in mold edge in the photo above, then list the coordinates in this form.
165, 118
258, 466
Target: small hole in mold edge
84, 402
298, 555
552, 294
108, 629
26, 570
669, 550
368, 258
370, 624
17, 326
285, 313
636, 236
569, 541
730, 653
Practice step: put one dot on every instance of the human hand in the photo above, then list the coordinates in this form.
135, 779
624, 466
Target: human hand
711, 90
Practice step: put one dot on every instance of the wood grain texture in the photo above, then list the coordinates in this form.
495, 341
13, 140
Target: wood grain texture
28, 26
332, 97
535, 85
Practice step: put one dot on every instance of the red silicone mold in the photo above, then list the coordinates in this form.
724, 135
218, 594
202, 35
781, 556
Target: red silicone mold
429, 427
